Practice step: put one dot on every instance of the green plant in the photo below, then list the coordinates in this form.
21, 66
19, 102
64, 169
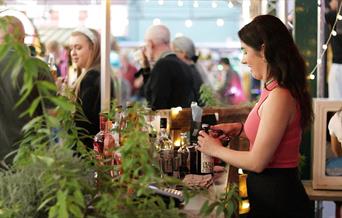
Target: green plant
207, 96
226, 203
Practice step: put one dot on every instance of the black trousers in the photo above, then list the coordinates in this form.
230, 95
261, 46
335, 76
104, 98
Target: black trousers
277, 193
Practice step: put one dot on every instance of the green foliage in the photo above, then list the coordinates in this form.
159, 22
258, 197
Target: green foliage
208, 97
226, 203
128, 195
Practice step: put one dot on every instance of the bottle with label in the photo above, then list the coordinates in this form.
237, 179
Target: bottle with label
99, 138
184, 154
117, 134
205, 163
109, 152
165, 148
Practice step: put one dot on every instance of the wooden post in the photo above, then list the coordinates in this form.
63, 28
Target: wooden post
105, 50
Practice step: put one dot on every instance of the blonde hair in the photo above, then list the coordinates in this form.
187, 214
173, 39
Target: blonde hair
94, 60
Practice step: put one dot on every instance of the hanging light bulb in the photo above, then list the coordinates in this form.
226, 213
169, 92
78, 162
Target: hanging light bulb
195, 4
312, 76
160, 2
334, 33
180, 3
230, 4
325, 46
219, 22
213, 4
319, 61
188, 23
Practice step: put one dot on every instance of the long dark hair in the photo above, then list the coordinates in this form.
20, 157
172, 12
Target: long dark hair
285, 63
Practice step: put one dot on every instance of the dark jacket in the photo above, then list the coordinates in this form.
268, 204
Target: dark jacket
89, 97
170, 84
10, 121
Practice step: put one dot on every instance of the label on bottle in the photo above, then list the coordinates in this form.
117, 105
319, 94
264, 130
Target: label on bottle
166, 161
207, 163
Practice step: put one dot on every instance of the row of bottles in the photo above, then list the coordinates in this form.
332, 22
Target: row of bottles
108, 140
185, 159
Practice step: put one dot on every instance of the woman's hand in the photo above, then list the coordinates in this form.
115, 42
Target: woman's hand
208, 144
228, 129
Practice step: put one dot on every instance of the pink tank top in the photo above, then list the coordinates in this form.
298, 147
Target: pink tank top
287, 154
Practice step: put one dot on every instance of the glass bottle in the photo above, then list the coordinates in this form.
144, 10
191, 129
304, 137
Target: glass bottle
99, 138
184, 154
205, 163
165, 147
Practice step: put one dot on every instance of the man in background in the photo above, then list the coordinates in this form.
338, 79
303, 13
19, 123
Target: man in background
10, 121
170, 83
335, 74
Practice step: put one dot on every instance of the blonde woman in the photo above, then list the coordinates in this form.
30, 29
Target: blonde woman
85, 55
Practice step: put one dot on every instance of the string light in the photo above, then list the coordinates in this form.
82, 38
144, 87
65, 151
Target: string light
188, 23
230, 4
213, 4
319, 61
332, 33
219, 22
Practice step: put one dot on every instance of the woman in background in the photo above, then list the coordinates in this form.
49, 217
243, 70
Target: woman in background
85, 54
275, 124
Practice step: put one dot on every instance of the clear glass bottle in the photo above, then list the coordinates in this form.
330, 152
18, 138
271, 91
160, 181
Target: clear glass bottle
184, 154
99, 137
205, 164
165, 147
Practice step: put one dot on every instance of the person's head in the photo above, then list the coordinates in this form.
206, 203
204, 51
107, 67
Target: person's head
333, 4
157, 41
53, 47
270, 52
85, 48
225, 63
10, 25
184, 49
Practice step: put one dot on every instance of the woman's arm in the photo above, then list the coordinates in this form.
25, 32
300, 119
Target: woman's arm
275, 115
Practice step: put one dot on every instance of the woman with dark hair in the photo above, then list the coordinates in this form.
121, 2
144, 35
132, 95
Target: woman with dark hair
275, 124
